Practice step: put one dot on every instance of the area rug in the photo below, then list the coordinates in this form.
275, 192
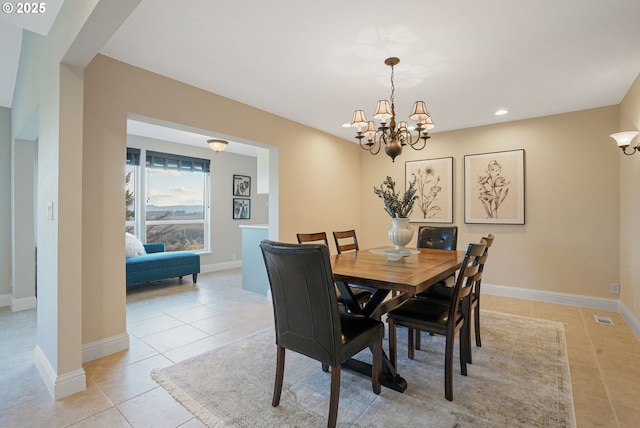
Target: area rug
519, 378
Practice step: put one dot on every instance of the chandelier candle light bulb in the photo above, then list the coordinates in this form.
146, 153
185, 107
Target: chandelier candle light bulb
393, 138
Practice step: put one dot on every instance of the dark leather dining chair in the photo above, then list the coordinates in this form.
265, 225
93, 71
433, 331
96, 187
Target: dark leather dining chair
441, 293
437, 238
440, 237
361, 295
444, 319
307, 318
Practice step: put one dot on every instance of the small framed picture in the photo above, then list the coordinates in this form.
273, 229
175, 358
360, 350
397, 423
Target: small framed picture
241, 209
241, 185
494, 187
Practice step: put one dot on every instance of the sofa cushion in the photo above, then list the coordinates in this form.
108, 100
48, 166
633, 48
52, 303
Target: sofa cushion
160, 261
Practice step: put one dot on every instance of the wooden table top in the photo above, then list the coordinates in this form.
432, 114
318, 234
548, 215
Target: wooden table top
411, 274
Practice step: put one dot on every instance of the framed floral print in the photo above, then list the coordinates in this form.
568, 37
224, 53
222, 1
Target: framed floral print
434, 185
494, 187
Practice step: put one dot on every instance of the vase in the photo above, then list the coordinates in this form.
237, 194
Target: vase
400, 232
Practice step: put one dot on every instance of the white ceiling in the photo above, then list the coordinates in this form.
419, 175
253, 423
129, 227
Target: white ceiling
314, 62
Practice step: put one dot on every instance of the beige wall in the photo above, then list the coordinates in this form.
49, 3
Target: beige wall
319, 174
629, 114
569, 243
571, 180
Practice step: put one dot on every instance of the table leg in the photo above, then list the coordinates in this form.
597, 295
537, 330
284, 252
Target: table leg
390, 378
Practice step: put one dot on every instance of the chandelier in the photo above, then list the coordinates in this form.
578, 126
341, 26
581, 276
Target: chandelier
394, 138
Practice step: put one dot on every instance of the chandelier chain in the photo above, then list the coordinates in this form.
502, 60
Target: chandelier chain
393, 87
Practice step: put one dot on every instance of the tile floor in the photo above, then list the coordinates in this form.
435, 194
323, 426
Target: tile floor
168, 323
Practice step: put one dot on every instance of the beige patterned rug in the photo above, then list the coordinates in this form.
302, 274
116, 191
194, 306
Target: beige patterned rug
519, 378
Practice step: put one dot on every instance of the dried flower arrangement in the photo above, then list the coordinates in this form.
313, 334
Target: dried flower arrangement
394, 205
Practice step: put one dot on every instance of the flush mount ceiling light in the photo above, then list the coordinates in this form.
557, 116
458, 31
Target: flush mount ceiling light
624, 140
217, 145
394, 139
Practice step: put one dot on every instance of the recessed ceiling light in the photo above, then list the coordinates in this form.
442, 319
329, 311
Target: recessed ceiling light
346, 125
501, 112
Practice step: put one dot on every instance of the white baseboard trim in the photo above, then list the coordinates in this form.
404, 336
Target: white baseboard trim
601, 303
103, 347
24, 304
59, 386
221, 266
5, 300
630, 319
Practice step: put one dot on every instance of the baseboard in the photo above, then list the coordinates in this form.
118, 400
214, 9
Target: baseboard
24, 304
221, 266
630, 319
5, 300
601, 303
103, 347
59, 386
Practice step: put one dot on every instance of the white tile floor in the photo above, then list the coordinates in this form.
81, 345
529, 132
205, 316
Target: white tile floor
167, 322
170, 322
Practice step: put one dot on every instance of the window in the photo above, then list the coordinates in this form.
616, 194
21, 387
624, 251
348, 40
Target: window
176, 202
133, 160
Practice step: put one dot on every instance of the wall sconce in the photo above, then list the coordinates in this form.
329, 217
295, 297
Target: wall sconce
624, 139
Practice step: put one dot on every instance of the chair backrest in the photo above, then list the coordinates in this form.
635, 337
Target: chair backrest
312, 237
305, 306
441, 238
481, 262
466, 276
346, 240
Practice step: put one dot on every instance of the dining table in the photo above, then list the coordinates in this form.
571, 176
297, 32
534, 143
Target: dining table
391, 282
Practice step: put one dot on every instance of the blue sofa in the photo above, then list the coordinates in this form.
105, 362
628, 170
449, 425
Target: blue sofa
157, 265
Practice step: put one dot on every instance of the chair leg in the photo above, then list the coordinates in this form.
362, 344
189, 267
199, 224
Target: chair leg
277, 389
393, 352
410, 342
476, 316
465, 344
418, 340
325, 367
448, 372
465, 348
334, 397
376, 369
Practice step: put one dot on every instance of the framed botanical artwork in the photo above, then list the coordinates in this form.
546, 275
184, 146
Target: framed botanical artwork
494, 187
241, 185
241, 209
434, 184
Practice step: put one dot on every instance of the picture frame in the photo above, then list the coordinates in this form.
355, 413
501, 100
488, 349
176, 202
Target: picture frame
241, 185
494, 187
434, 184
241, 208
